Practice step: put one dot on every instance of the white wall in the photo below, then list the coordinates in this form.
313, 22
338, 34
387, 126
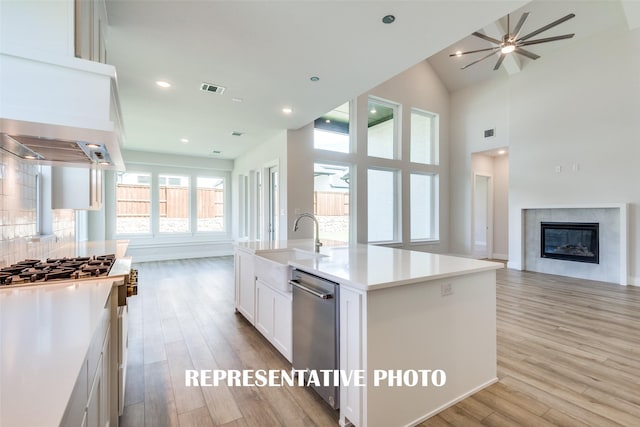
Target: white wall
45, 26
501, 207
578, 108
269, 152
417, 87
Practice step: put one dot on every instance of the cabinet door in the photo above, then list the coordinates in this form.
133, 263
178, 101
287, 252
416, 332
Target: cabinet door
282, 323
245, 285
95, 409
106, 382
264, 309
76, 188
351, 351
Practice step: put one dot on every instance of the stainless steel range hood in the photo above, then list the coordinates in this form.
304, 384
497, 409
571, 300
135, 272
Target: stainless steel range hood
55, 151
60, 111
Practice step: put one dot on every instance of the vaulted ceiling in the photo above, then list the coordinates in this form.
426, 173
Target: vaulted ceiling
265, 52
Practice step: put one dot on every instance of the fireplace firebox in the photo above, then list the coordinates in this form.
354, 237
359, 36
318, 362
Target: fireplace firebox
570, 241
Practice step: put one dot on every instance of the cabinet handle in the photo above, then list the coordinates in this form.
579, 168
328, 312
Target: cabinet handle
312, 291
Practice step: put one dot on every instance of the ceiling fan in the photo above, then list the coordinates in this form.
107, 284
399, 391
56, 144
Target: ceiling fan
512, 42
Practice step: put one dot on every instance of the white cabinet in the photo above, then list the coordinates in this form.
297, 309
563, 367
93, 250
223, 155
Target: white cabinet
76, 188
94, 395
264, 304
90, 29
95, 409
273, 316
351, 345
245, 284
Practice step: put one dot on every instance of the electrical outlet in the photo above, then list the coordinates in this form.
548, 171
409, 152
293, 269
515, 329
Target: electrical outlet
446, 289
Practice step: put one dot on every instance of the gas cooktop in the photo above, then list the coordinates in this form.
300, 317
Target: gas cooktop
56, 269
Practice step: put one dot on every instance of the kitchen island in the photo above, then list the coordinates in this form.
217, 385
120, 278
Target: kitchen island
400, 311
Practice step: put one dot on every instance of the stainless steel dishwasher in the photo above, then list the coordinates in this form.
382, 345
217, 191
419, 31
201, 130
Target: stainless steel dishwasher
315, 329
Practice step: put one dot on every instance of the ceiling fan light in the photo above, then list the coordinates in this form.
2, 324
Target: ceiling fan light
508, 48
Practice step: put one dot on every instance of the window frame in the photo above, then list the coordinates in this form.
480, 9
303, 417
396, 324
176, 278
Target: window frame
397, 127
155, 171
151, 201
433, 204
434, 146
397, 205
190, 228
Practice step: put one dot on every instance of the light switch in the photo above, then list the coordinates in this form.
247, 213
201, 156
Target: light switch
558, 169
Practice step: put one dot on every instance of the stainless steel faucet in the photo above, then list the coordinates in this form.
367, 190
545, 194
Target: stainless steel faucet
308, 215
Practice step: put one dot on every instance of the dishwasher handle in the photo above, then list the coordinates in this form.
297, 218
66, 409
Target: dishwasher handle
312, 291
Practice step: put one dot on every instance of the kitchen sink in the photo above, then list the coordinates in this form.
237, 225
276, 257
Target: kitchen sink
274, 269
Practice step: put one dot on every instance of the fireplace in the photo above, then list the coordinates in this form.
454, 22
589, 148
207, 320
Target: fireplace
570, 241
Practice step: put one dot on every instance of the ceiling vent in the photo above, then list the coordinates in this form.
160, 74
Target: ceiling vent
236, 133
209, 87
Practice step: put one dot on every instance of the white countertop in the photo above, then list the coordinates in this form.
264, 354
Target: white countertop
45, 332
370, 267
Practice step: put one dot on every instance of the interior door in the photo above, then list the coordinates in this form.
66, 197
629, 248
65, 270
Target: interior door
481, 216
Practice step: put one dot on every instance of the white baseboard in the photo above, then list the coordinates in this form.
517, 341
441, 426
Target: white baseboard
514, 265
452, 402
633, 281
165, 252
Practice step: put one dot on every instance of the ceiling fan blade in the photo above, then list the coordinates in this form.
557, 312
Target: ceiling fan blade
502, 56
548, 26
526, 53
487, 38
545, 40
475, 51
518, 27
476, 61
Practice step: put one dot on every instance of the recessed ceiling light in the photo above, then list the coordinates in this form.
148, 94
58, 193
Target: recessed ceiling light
236, 99
93, 145
184, 140
327, 121
314, 78
373, 110
163, 84
458, 53
287, 110
388, 19
29, 157
105, 163
502, 151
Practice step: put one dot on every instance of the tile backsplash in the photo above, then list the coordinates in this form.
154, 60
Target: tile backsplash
18, 230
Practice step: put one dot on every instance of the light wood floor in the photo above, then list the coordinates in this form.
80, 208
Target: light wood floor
568, 355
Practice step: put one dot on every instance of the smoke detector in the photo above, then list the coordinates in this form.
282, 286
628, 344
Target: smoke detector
210, 87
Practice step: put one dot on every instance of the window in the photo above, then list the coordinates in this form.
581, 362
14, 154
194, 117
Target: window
381, 129
331, 130
174, 204
424, 143
382, 205
210, 204
133, 203
258, 204
331, 200
424, 206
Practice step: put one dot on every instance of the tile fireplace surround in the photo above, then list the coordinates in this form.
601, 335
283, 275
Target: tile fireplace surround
613, 241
